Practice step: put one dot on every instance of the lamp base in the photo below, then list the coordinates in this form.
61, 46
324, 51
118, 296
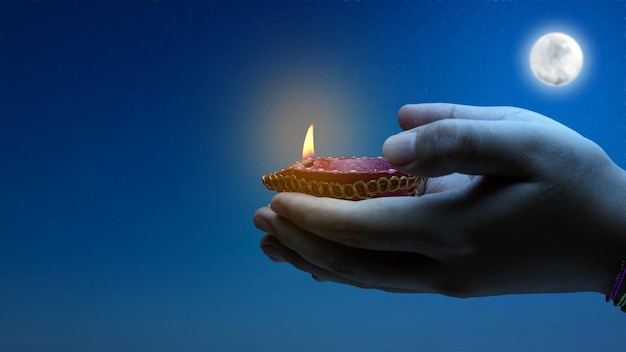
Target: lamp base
351, 178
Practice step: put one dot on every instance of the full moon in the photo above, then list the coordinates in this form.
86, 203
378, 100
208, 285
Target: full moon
556, 59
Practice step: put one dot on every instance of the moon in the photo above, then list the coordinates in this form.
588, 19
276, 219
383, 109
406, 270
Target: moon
556, 59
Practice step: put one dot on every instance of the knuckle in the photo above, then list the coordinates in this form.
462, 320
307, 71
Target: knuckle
344, 230
456, 291
455, 275
340, 265
445, 139
454, 285
461, 142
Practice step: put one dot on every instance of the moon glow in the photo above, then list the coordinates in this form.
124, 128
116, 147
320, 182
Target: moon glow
556, 59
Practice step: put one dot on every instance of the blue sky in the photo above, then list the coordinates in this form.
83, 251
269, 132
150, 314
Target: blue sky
133, 135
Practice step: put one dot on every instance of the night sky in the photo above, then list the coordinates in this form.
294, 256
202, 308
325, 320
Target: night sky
134, 134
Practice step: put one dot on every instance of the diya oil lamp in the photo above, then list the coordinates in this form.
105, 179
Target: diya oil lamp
352, 178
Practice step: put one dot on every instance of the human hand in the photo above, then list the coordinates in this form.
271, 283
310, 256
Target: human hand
516, 203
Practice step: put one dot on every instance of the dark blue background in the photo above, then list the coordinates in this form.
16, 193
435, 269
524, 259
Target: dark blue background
133, 135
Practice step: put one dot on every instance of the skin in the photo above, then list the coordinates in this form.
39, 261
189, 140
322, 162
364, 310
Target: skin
515, 203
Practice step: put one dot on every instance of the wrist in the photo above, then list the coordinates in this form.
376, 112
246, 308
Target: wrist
613, 236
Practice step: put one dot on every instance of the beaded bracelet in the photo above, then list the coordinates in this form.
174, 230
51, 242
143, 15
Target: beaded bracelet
613, 294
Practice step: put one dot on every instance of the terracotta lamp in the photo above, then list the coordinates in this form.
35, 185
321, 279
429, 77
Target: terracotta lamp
352, 178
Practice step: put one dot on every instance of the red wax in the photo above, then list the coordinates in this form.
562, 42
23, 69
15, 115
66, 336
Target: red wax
351, 178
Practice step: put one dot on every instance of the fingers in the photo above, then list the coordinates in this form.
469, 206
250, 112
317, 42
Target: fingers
327, 260
357, 224
442, 147
414, 115
272, 246
444, 138
381, 224
279, 253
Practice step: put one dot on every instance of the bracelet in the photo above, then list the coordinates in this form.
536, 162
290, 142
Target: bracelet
614, 292
621, 302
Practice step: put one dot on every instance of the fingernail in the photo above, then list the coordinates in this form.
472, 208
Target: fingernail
398, 149
277, 207
273, 253
262, 223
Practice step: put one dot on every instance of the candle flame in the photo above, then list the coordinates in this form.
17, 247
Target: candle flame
308, 149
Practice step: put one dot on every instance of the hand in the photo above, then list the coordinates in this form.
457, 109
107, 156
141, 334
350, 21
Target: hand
515, 203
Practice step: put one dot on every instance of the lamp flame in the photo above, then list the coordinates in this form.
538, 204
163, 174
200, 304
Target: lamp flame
308, 149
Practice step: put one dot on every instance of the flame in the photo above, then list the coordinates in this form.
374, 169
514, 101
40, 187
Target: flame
308, 149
